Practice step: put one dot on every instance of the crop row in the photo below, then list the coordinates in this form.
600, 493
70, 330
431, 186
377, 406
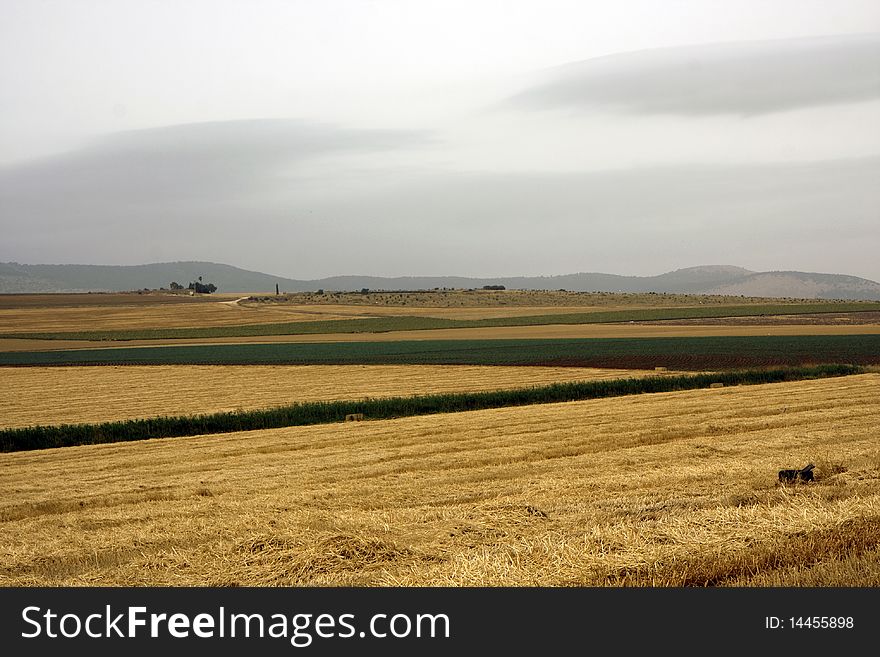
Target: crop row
682, 353
323, 412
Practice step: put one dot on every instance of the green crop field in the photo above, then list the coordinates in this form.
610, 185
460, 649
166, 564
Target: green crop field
684, 353
410, 323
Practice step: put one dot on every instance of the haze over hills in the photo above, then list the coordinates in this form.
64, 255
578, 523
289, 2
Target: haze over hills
709, 279
15, 277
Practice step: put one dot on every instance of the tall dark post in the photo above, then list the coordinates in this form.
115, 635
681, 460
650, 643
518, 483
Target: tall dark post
276, 290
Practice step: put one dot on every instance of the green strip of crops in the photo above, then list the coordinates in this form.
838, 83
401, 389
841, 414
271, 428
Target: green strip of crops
43, 437
386, 324
682, 353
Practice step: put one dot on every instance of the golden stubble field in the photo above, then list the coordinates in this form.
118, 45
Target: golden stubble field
663, 489
66, 395
121, 316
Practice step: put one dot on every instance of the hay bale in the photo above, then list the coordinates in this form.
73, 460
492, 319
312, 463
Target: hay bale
716, 385
354, 417
659, 369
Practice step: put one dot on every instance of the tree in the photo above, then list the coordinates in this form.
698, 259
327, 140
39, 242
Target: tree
202, 288
176, 286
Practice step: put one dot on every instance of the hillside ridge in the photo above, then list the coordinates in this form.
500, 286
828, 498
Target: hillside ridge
702, 279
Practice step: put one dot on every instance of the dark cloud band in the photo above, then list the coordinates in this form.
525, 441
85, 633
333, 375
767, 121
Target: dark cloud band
746, 78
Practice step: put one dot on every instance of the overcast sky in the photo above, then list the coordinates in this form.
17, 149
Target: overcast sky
413, 137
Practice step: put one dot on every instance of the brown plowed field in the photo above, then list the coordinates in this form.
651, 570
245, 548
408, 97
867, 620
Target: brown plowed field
95, 299
666, 489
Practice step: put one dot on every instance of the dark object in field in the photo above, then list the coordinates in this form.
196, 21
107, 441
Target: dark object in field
805, 474
354, 417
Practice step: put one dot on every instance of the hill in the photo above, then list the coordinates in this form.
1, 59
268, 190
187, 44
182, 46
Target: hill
15, 277
708, 279
800, 284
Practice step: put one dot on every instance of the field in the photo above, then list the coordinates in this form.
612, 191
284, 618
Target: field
120, 312
153, 316
648, 489
457, 300
96, 300
520, 333
385, 408
405, 322
122, 393
642, 353
654, 490
123, 315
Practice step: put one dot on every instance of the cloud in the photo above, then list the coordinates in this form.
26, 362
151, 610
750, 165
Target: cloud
818, 216
194, 162
748, 78
306, 201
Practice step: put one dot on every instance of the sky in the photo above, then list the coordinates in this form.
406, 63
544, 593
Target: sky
479, 138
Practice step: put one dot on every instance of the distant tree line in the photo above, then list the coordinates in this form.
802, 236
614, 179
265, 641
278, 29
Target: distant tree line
202, 288
195, 286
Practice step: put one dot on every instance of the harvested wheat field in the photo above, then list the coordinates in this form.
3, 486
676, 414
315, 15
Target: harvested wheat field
663, 489
159, 315
65, 395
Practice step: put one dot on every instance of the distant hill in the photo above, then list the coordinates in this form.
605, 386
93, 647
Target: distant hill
800, 284
15, 277
709, 279
694, 280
